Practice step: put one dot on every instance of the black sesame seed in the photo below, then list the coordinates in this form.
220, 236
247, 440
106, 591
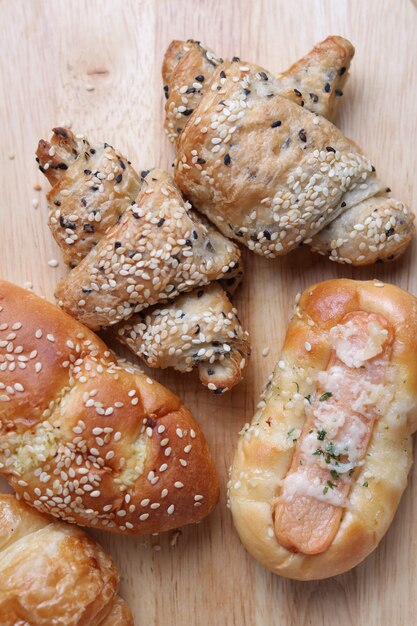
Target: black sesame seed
188, 242
246, 92
373, 168
339, 92
297, 93
122, 165
276, 124
210, 372
342, 71
389, 232
263, 76
218, 391
330, 149
314, 97
235, 60
61, 132
200, 293
57, 203
89, 228
117, 244
118, 178
161, 221
144, 173
150, 422
302, 135
201, 161
327, 87
86, 290
187, 112
227, 160
94, 188
267, 235
92, 151
195, 234
216, 344
87, 172
67, 224
83, 201
61, 166
343, 205
136, 215
166, 88
222, 74
191, 90
387, 190
200, 78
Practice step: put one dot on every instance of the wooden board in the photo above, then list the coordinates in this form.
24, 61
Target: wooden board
51, 52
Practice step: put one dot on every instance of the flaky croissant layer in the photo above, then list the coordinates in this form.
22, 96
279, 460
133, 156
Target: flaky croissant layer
53, 573
257, 157
133, 242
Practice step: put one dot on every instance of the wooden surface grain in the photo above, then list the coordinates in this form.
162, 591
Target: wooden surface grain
52, 54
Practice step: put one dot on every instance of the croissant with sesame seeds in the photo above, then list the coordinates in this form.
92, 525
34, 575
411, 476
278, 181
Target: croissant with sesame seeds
202, 331
131, 251
53, 573
90, 439
256, 155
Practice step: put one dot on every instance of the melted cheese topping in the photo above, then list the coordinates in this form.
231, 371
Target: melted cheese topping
346, 336
300, 483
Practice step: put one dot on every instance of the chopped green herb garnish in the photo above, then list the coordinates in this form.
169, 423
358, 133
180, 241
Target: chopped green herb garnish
325, 396
330, 484
318, 452
351, 472
325, 490
335, 474
321, 435
290, 432
365, 484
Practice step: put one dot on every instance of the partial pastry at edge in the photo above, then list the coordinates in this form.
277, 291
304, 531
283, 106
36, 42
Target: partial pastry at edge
319, 473
54, 573
268, 172
90, 439
76, 220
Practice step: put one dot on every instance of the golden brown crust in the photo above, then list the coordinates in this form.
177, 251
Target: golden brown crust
88, 439
159, 249
54, 573
316, 81
198, 330
266, 448
272, 174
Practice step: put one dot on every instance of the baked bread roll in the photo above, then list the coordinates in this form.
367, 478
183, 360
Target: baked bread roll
53, 573
271, 174
318, 475
188, 67
201, 329
89, 439
106, 203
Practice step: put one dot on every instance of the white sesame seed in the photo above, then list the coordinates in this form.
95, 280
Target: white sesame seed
53, 263
178, 484
170, 509
307, 346
95, 494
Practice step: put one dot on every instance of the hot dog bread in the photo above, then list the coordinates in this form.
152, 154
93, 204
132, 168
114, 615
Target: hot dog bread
318, 475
